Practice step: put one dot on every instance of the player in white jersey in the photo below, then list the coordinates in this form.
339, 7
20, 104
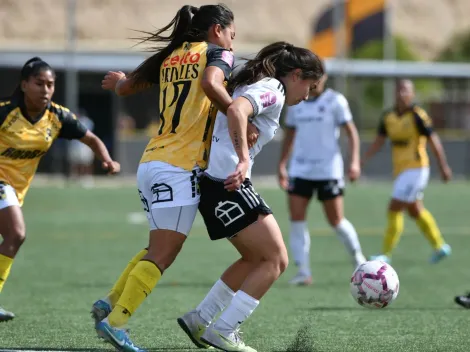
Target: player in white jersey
230, 206
316, 166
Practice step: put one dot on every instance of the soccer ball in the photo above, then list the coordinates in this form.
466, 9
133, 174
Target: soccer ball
374, 284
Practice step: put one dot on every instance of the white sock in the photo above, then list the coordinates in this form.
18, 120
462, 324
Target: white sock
300, 246
216, 300
348, 235
241, 307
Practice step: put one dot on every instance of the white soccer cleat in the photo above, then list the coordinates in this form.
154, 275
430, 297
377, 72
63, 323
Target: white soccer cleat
301, 280
194, 327
231, 342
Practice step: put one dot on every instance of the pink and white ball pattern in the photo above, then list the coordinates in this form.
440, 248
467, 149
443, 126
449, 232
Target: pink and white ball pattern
374, 284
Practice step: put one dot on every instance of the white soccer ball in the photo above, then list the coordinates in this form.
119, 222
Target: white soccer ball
374, 284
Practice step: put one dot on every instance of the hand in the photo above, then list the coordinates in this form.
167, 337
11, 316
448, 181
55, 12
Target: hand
252, 134
354, 171
109, 81
113, 167
446, 173
235, 180
283, 178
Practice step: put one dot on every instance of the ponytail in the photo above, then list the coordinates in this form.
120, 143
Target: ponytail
277, 60
190, 24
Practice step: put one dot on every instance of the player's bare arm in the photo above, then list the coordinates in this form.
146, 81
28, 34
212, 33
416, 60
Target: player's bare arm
121, 85
376, 145
289, 135
354, 169
237, 116
214, 88
101, 152
440, 154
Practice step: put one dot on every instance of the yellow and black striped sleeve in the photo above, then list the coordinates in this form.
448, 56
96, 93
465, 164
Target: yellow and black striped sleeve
221, 58
6, 107
423, 121
71, 127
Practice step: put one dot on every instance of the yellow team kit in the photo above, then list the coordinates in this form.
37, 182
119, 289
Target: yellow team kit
187, 116
408, 134
23, 141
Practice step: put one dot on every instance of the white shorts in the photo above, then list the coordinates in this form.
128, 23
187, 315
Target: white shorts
8, 196
169, 194
410, 184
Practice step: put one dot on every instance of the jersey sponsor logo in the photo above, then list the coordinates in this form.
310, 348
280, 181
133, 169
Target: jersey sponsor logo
182, 60
268, 99
227, 57
13, 153
400, 143
162, 193
228, 212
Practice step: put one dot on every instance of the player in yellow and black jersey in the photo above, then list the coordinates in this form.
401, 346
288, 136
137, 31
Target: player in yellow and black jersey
409, 129
191, 71
29, 123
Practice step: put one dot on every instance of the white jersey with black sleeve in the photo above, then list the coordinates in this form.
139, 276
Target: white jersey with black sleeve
267, 97
316, 153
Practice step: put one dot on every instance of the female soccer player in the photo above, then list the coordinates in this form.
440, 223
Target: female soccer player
409, 129
29, 123
231, 208
313, 127
191, 70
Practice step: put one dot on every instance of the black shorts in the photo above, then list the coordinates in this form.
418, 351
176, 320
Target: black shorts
326, 189
227, 213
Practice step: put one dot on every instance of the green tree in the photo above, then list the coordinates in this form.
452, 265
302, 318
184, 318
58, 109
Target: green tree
458, 49
373, 88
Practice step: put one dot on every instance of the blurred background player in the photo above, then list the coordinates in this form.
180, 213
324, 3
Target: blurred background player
80, 156
232, 209
312, 134
192, 70
409, 128
29, 123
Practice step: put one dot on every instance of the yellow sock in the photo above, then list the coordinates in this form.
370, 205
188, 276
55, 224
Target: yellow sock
118, 287
142, 279
427, 224
394, 230
5, 266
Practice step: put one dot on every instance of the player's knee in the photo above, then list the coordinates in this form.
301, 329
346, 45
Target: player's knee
283, 262
279, 260
16, 235
163, 258
414, 211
